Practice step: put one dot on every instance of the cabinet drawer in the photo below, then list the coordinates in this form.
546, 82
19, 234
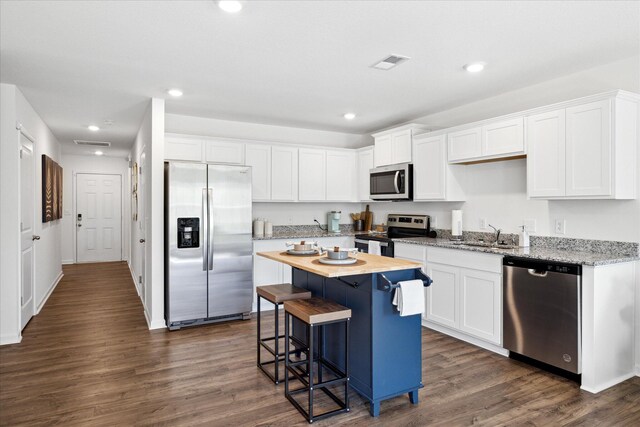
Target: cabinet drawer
466, 259
409, 251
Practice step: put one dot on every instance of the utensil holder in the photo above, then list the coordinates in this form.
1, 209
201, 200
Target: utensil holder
358, 225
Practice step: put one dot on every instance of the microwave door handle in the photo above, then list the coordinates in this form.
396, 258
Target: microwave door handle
395, 182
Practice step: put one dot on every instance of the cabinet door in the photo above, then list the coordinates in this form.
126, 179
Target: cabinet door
341, 168
442, 295
429, 163
505, 137
365, 164
258, 156
383, 151
589, 149
177, 148
312, 177
464, 145
284, 173
230, 152
546, 154
481, 304
401, 146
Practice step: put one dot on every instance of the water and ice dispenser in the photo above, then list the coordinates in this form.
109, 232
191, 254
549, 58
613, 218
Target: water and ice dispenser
188, 233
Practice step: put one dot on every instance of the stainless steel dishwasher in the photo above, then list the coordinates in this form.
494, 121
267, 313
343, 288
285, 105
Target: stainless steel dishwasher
541, 303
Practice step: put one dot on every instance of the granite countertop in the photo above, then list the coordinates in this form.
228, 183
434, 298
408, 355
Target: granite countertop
305, 232
572, 256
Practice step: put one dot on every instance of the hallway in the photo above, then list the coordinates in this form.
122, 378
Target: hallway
89, 359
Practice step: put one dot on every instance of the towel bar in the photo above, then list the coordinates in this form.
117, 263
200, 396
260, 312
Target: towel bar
386, 285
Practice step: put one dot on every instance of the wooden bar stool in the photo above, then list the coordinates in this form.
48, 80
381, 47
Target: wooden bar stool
316, 313
275, 294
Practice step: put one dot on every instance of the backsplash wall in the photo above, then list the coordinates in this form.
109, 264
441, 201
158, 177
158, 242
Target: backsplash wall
303, 213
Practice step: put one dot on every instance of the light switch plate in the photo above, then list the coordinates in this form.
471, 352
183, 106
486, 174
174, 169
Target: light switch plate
434, 222
529, 225
483, 224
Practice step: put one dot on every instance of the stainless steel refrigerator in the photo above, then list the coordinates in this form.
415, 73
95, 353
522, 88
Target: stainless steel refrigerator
209, 248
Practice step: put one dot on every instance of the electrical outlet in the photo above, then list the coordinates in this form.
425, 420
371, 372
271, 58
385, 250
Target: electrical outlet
289, 221
434, 222
483, 223
529, 225
561, 225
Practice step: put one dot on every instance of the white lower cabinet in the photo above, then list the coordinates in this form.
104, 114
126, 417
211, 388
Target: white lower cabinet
466, 294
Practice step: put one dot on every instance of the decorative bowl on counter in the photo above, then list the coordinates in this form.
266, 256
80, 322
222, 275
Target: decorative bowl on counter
303, 246
337, 252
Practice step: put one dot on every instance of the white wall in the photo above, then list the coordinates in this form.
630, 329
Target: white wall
9, 218
48, 266
73, 165
175, 123
148, 259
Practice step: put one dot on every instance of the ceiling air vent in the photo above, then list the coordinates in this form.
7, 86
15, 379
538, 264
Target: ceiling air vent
390, 61
92, 143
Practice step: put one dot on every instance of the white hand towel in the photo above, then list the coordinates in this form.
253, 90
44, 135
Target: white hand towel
409, 297
374, 247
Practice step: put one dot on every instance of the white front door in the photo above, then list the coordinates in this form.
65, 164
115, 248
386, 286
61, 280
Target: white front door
98, 218
27, 234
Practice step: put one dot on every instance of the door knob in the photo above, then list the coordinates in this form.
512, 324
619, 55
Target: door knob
34, 237
142, 240
79, 225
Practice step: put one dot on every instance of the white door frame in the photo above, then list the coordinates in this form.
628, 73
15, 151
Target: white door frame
74, 217
23, 132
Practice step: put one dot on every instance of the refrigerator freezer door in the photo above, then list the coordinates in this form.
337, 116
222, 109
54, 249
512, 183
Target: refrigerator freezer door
185, 214
231, 274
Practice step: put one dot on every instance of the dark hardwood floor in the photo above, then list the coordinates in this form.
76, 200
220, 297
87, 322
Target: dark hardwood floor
89, 359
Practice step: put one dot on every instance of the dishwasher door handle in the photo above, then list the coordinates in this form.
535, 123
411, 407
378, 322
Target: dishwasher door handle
533, 272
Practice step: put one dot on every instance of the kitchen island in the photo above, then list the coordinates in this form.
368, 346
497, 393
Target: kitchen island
385, 349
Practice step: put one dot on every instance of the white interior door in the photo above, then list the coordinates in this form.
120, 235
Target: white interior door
98, 217
27, 232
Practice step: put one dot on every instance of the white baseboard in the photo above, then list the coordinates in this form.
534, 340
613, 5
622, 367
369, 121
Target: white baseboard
51, 289
638, 370
133, 276
466, 338
68, 261
605, 385
10, 339
156, 324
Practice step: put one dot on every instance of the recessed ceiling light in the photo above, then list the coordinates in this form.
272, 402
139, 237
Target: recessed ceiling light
175, 92
474, 67
349, 116
99, 153
230, 6
93, 128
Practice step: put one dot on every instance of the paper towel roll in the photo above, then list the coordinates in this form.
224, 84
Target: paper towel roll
456, 223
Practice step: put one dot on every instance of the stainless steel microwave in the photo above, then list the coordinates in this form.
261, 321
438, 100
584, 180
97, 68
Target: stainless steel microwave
393, 182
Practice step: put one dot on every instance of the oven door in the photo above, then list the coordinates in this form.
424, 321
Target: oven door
391, 182
386, 248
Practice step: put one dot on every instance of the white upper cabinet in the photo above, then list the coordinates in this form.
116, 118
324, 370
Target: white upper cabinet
284, 173
365, 164
217, 151
588, 149
401, 146
312, 178
341, 175
465, 144
584, 151
546, 154
394, 145
433, 177
258, 156
178, 147
504, 138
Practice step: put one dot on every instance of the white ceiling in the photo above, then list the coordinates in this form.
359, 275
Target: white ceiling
292, 63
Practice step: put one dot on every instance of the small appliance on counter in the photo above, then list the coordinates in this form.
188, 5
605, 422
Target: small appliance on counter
398, 226
456, 224
333, 221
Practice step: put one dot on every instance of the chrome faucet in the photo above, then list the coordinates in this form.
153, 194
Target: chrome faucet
497, 230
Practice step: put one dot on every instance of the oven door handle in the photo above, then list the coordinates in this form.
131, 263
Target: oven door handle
395, 182
366, 242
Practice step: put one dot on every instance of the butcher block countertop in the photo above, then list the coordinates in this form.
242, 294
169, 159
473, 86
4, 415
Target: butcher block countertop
366, 264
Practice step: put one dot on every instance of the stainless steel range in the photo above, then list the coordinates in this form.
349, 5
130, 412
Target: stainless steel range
398, 226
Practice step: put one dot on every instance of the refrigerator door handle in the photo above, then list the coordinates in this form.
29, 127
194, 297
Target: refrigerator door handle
205, 233
210, 228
